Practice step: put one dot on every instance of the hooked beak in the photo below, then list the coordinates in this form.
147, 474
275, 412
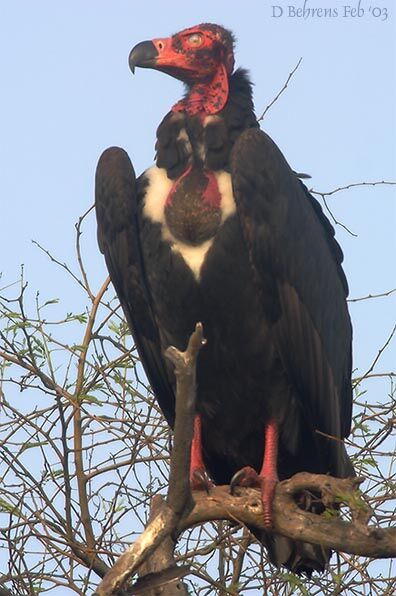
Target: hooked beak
144, 54
160, 54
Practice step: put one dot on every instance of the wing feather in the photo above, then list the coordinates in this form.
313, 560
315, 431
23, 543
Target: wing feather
297, 263
119, 241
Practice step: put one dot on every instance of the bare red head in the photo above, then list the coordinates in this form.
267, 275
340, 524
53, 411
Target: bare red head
201, 56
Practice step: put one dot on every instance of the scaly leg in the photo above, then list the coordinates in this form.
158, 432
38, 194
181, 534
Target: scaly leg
268, 477
199, 478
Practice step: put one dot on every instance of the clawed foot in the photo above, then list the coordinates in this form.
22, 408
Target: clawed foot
248, 477
199, 480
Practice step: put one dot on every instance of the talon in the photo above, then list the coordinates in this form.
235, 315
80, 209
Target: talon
267, 480
235, 481
249, 478
246, 477
199, 480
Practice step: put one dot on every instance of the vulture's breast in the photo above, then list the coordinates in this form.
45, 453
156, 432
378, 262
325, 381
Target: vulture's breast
190, 209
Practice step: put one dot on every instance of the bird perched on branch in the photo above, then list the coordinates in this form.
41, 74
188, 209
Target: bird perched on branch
221, 230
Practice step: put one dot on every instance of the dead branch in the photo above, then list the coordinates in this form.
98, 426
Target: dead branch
179, 492
160, 570
354, 537
152, 555
277, 96
329, 193
82, 480
378, 356
371, 296
155, 546
353, 185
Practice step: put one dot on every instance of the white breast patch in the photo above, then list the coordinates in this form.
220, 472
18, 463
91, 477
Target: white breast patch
158, 189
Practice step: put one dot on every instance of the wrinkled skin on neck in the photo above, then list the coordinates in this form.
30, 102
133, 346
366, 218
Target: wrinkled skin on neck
207, 97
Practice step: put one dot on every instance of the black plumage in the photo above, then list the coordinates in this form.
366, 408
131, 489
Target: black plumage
269, 290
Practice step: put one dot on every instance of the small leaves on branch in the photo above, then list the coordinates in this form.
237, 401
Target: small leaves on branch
183, 510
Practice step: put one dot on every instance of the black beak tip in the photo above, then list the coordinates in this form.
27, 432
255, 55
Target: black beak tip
144, 54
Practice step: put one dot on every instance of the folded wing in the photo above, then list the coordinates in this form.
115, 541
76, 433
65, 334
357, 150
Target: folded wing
297, 265
119, 241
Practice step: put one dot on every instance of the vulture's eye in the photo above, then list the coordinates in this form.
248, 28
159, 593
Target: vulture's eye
195, 39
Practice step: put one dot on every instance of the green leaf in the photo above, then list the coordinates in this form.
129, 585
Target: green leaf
125, 365
329, 513
91, 399
78, 348
57, 473
295, 582
38, 344
114, 328
369, 461
81, 318
53, 301
14, 315
32, 444
8, 508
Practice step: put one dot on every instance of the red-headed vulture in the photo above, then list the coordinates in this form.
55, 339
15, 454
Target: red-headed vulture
221, 230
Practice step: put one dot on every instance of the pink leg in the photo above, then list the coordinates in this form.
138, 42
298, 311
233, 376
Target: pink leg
268, 473
199, 479
268, 477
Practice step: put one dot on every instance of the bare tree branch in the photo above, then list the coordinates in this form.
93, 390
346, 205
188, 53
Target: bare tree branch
353, 537
378, 356
179, 492
123, 451
153, 551
179, 501
371, 296
323, 195
352, 185
280, 92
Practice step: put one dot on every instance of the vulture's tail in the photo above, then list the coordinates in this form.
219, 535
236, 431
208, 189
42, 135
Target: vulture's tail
297, 556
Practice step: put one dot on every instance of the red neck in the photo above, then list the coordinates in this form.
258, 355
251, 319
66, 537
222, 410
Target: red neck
206, 98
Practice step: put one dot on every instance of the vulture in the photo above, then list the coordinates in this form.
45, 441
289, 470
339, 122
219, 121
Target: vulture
221, 230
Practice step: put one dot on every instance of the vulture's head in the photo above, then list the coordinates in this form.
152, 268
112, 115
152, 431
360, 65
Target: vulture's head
193, 56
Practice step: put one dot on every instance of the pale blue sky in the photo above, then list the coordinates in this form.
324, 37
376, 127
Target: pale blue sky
67, 93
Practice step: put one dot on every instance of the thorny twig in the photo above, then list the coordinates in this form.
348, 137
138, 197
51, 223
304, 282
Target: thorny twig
280, 92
